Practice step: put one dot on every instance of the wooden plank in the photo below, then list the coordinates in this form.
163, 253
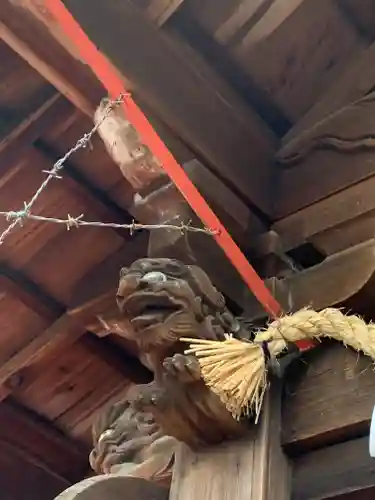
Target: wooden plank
26, 36
347, 276
159, 11
342, 142
199, 46
244, 12
300, 68
266, 19
253, 468
40, 443
31, 295
48, 72
337, 470
203, 116
36, 484
362, 14
355, 80
33, 127
63, 331
324, 216
85, 191
97, 199
330, 399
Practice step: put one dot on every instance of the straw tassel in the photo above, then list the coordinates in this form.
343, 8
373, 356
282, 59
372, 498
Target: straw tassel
236, 370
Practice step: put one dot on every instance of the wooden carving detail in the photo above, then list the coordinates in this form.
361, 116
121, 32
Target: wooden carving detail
349, 130
131, 443
165, 300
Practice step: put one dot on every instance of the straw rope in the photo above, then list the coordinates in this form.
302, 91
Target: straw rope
236, 370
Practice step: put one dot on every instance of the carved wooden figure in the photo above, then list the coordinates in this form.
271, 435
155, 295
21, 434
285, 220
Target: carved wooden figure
165, 300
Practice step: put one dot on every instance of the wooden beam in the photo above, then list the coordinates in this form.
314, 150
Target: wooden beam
33, 127
159, 11
348, 278
253, 468
331, 397
206, 114
194, 40
348, 205
63, 331
96, 198
361, 13
31, 295
41, 444
26, 35
328, 400
19, 141
309, 163
336, 470
356, 80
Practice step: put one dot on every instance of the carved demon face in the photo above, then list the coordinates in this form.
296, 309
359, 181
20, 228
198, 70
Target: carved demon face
166, 300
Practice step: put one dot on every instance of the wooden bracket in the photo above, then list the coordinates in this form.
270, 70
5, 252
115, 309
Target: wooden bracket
254, 468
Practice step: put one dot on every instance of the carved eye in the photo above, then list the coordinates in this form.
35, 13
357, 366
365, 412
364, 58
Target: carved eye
154, 277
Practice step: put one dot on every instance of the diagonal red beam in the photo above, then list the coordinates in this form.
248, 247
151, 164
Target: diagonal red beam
110, 79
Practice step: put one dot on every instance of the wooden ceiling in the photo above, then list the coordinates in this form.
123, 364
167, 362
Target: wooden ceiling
253, 74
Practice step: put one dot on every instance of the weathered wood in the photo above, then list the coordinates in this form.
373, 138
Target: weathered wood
334, 471
347, 278
187, 31
212, 128
355, 81
48, 72
159, 11
33, 296
263, 25
253, 468
343, 142
26, 36
362, 14
330, 399
350, 205
97, 199
41, 443
294, 83
63, 331
30, 129
113, 487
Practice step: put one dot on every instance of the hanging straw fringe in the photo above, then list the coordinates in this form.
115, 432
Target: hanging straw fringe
236, 370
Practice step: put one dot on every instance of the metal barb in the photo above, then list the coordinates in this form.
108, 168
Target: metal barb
18, 217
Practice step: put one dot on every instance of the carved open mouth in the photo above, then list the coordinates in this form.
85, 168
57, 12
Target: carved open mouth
147, 308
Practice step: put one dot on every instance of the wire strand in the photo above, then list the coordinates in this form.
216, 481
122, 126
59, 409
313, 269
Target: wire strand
19, 216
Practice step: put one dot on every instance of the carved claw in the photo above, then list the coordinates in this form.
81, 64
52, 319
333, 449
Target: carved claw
148, 397
185, 369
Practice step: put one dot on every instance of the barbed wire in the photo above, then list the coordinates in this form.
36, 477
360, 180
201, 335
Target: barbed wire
75, 222
20, 215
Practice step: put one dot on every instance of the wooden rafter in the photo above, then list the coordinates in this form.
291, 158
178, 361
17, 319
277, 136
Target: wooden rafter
63, 331
55, 453
348, 205
48, 72
159, 11
333, 471
25, 35
30, 130
356, 80
33, 127
224, 133
99, 202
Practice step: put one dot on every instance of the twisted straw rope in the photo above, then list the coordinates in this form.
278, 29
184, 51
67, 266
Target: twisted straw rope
236, 370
